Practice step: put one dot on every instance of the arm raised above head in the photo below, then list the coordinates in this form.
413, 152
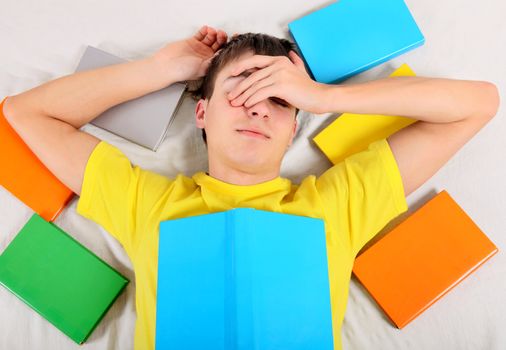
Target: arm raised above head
48, 117
449, 113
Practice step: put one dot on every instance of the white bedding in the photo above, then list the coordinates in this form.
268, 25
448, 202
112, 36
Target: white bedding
464, 39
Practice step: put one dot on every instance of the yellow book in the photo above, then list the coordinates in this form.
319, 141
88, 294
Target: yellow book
352, 133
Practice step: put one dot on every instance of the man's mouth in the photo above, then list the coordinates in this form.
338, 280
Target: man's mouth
253, 133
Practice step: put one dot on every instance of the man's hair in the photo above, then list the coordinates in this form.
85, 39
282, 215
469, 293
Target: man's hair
257, 43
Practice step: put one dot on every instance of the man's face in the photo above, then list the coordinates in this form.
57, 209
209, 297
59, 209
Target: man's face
252, 139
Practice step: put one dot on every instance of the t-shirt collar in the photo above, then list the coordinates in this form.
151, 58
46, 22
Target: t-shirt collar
215, 185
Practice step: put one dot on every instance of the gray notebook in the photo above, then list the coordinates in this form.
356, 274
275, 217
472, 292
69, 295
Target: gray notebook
143, 120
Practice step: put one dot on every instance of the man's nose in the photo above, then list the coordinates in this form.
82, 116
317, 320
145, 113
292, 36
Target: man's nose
260, 110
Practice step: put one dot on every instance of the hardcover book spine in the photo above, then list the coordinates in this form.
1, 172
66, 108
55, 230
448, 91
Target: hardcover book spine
230, 282
244, 280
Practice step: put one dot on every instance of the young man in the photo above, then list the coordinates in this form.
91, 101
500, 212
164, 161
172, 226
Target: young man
250, 94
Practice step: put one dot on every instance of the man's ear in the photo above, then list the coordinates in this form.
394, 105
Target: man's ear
294, 131
200, 112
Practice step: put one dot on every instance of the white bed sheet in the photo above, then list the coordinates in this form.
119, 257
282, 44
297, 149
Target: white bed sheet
464, 39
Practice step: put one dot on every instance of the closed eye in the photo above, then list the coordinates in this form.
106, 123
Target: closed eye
279, 101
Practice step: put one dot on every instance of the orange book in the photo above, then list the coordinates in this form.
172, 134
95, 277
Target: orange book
24, 175
422, 259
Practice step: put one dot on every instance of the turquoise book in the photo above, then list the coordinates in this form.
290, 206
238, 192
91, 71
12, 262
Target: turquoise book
243, 279
59, 278
351, 36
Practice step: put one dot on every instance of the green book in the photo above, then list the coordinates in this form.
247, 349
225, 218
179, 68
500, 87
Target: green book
59, 278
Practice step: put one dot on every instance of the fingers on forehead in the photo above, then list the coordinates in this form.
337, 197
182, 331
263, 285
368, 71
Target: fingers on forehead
249, 63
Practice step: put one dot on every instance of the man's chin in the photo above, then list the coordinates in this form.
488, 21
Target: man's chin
251, 161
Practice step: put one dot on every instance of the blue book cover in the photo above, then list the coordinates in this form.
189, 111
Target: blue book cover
243, 279
351, 36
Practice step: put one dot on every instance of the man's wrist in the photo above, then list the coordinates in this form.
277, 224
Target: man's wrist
163, 70
332, 97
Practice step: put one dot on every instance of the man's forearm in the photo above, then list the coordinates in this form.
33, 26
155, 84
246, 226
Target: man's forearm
78, 98
427, 99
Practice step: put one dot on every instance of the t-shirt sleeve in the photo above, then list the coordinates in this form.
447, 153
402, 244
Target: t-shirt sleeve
119, 196
362, 194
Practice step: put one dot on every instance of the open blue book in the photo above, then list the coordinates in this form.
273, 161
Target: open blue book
350, 36
243, 279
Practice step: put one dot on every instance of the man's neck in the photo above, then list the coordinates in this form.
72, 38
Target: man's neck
240, 177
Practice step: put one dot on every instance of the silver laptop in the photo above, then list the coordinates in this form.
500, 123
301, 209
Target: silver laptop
143, 120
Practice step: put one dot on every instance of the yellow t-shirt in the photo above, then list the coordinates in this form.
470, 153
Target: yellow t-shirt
355, 198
